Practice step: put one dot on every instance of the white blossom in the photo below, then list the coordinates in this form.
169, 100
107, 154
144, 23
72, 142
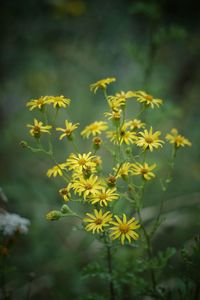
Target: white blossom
12, 223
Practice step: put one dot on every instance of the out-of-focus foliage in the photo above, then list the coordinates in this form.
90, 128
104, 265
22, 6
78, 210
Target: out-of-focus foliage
60, 47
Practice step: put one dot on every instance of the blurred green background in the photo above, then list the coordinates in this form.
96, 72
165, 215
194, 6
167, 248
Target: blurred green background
54, 47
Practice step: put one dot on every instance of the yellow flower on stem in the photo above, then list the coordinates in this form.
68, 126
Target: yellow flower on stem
38, 128
124, 229
97, 221
149, 140
94, 128
86, 186
104, 196
65, 193
69, 128
101, 84
59, 101
143, 170
80, 161
123, 170
123, 136
136, 124
37, 103
56, 170
178, 140
119, 100
115, 115
147, 99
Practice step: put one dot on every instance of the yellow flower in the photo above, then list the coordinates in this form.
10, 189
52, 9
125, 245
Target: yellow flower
136, 124
65, 192
123, 170
59, 101
104, 196
97, 221
121, 97
178, 140
149, 140
97, 160
69, 128
38, 128
80, 161
115, 102
144, 170
56, 170
147, 99
94, 129
101, 84
115, 115
37, 103
124, 229
86, 186
123, 136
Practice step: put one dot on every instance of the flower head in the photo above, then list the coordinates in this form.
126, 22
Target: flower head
123, 136
37, 103
149, 140
104, 196
123, 170
97, 221
124, 229
65, 193
94, 129
115, 115
59, 101
56, 170
67, 131
38, 128
80, 161
101, 84
119, 99
136, 124
147, 99
87, 186
143, 170
178, 140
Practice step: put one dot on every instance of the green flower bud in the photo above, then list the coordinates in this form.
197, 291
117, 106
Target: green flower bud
53, 215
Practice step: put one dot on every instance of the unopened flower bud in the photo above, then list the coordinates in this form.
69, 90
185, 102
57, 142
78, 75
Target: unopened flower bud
65, 209
23, 144
53, 215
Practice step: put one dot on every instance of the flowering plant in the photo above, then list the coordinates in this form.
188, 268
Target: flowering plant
112, 197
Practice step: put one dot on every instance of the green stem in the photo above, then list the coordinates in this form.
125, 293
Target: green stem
110, 269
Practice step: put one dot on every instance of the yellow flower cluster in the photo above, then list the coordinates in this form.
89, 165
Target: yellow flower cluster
86, 180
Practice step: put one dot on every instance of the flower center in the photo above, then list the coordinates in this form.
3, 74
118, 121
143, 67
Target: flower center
98, 221
68, 132
124, 228
88, 186
82, 162
178, 139
122, 132
94, 127
149, 97
64, 192
103, 196
36, 129
144, 171
149, 139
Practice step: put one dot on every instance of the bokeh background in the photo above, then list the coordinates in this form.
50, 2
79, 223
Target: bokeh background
54, 47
